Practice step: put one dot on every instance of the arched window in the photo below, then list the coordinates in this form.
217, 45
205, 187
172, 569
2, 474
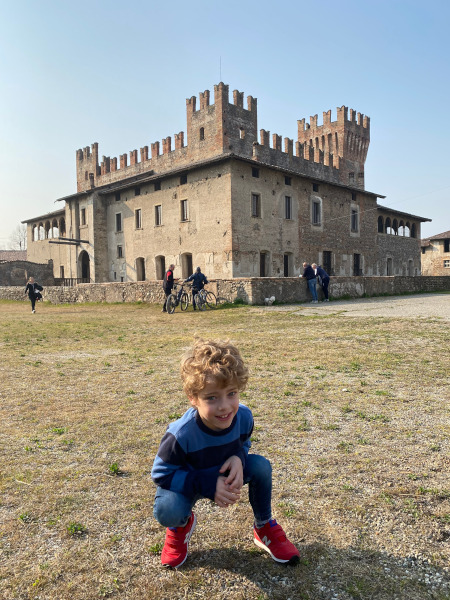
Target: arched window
84, 267
62, 227
395, 226
413, 230
186, 265
202, 133
140, 269
47, 230
41, 231
380, 224
55, 230
160, 265
387, 225
35, 233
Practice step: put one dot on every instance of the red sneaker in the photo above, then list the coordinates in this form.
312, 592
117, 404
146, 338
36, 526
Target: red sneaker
176, 544
273, 540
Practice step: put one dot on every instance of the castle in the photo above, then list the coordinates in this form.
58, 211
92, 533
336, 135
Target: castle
235, 205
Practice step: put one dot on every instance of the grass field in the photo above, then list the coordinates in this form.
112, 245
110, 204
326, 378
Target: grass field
353, 414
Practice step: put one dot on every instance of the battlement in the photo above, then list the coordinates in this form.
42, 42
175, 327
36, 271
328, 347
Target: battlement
231, 127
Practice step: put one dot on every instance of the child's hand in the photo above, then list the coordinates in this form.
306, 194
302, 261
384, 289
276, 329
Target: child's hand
235, 478
224, 495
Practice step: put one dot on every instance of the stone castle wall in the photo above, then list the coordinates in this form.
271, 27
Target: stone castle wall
250, 290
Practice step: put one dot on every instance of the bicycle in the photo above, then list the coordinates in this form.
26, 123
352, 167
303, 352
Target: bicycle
180, 298
207, 298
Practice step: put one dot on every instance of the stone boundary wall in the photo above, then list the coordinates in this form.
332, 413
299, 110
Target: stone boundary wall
17, 272
251, 290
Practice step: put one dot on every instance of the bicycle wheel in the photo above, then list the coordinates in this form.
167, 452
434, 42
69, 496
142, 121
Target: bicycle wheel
171, 303
184, 301
210, 299
199, 303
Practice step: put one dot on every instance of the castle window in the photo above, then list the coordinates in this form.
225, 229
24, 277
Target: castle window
158, 215
117, 196
446, 264
315, 187
355, 220
184, 210
357, 265
83, 216
263, 264
255, 172
256, 205
287, 180
138, 218
446, 245
316, 216
202, 133
183, 179
157, 185
287, 207
137, 191
327, 261
380, 224
354, 196
242, 133
119, 252
118, 222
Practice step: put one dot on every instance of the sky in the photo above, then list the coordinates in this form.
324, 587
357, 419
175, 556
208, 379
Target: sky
118, 73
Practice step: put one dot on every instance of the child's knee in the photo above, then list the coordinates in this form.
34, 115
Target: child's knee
259, 467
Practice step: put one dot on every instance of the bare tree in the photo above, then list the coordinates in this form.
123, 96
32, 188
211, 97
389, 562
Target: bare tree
18, 238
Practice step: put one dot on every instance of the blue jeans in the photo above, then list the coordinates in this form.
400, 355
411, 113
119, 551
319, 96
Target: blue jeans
312, 288
172, 509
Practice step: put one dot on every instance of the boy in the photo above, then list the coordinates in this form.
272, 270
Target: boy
204, 454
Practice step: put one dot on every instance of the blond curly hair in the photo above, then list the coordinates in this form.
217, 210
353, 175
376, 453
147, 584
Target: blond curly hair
212, 360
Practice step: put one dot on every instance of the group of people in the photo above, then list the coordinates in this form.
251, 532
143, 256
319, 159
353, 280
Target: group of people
313, 274
198, 283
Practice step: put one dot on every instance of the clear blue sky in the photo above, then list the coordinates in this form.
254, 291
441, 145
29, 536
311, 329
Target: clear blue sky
118, 73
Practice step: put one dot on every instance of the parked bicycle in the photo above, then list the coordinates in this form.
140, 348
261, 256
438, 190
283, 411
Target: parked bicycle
182, 298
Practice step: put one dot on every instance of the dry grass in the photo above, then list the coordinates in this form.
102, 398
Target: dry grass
352, 413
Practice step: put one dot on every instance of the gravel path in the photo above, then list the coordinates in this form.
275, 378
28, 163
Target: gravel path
424, 306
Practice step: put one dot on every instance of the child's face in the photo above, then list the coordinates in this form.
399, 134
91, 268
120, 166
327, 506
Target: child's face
217, 405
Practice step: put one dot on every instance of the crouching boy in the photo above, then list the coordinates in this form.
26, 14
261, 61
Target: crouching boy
205, 454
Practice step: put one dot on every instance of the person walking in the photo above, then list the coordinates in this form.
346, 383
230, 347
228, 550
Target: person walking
324, 280
310, 276
198, 283
168, 284
33, 290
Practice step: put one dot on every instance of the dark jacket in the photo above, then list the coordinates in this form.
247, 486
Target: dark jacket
309, 273
322, 274
33, 289
198, 280
168, 281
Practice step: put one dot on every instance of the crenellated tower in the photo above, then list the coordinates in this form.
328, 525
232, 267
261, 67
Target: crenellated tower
347, 138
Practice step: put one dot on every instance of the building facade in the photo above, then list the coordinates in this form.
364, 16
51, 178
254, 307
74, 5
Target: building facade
236, 206
436, 254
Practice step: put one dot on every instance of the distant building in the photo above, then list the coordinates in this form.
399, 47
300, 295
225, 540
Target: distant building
236, 206
10, 255
436, 254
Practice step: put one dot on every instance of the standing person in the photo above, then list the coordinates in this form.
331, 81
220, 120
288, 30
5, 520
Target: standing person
310, 276
33, 290
198, 283
168, 284
205, 454
324, 280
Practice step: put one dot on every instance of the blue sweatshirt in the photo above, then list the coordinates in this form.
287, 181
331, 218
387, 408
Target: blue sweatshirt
190, 454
